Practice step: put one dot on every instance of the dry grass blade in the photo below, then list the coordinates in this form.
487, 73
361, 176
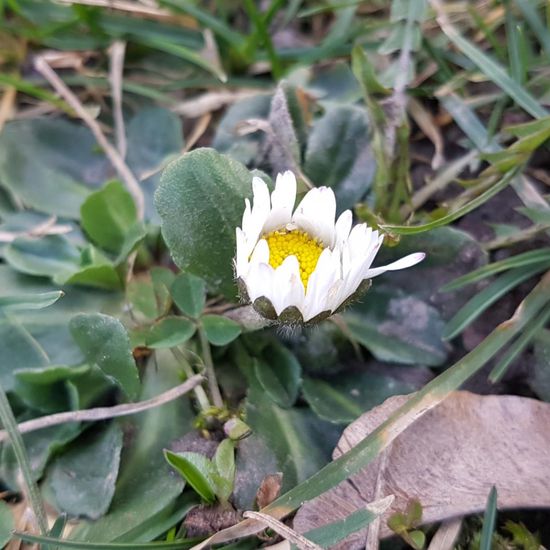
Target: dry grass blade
447, 535
102, 413
116, 70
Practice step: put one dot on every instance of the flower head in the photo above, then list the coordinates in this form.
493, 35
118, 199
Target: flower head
300, 265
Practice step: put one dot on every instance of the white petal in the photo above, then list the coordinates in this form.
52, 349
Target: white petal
288, 289
316, 213
319, 283
403, 263
259, 281
282, 202
261, 207
242, 253
260, 254
343, 227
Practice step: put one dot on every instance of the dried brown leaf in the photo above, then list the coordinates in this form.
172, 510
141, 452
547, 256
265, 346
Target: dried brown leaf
448, 460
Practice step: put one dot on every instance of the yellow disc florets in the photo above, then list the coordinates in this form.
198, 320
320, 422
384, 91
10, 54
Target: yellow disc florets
297, 243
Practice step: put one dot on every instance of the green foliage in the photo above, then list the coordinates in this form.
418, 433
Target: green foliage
107, 216
200, 201
210, 479
104, 342
341, 119
220, 330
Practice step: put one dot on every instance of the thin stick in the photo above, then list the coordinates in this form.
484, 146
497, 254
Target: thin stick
122, 5
116, 69
101, 413
125, 173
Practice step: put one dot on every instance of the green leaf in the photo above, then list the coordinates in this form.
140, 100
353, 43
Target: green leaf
82, 479
189, 294
300, 441
458, 213
49, 256
30, 301
220, 330
339, 154
541, 256
45, 389
224, 460
201, 201
52, 172
197, 470
279, 374
154, 136
539, 381
488, 296
136, 506
169, 332
495, 72
397, 327
56, 257
328, 535
99, 276
489, 520
343, 398
107, 215
104, 341
433, 393
7, 523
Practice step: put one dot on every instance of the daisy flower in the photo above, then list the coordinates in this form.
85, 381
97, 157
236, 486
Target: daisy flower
300, 266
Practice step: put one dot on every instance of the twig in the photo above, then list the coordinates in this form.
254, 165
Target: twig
280, 528
125, 173
101, 413
116, 68
6, 104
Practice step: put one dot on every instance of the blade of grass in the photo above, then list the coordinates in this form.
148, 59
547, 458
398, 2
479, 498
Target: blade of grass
490, 68
533, 18
421, 402
32, 492
517, 70
264, 37
458, 213
519, 345
468, 313
489, 520
79, 545
187, 54
217, 26
29, 88
519, 260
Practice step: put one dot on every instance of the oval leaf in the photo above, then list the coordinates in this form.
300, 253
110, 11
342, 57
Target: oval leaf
220, 330
197, 470
189, 294
201, 201
104, 341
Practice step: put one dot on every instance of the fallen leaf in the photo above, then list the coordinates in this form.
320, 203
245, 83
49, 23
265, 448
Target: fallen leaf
448, 460
269, 489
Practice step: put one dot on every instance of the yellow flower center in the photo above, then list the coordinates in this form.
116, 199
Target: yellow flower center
297, 243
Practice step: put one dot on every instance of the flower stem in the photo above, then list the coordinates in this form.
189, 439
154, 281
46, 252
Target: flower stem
210, 373
200, 394
10, 424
